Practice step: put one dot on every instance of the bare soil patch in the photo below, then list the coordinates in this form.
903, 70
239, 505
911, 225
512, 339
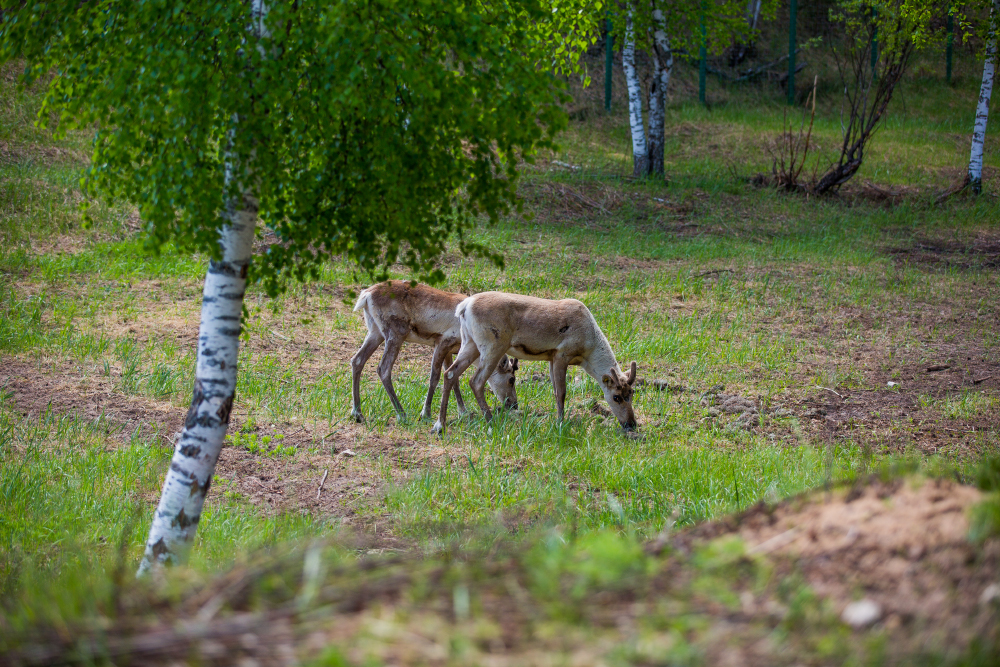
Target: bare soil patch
979, 252
902, 545
359, 462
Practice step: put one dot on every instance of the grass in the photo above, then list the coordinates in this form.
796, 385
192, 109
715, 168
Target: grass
703, 281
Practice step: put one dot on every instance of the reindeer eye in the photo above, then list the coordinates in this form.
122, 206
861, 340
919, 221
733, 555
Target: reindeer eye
618, 399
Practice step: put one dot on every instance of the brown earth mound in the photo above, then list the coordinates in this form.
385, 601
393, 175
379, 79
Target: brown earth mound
891, 557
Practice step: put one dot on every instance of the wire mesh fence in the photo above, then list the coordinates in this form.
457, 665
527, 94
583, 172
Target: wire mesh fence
790, 50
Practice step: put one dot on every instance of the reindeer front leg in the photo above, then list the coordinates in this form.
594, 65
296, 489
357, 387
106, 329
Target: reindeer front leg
466, 356
440, 356
557, 373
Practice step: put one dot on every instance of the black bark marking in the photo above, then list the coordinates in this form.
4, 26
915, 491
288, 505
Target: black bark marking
182, 472
230, 332
225, 409
231, 269
197, 399
564, 329
190, 451
159, 548
183, 520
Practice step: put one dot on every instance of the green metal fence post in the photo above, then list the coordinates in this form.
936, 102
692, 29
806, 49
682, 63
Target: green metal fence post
947, 48
874, 41
790, 84
609, 42
703, 64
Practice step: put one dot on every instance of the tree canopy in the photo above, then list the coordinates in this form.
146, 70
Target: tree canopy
371, 129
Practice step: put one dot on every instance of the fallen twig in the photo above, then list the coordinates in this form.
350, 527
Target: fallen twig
275, 333
939, 367
712, 272
321, 483
982, 379
828, 389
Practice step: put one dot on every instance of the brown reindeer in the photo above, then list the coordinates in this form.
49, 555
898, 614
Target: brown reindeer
395, 313
564, 333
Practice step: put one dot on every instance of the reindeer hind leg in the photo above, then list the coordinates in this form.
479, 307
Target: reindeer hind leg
372, 341
393, 344
441, 356
488, 363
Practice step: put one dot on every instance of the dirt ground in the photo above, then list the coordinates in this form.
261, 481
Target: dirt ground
903, 546
358, 462
897, 551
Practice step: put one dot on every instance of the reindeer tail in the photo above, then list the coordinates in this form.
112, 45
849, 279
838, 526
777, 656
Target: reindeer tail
363, 300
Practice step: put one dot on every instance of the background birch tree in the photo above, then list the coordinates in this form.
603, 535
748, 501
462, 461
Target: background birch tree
662, 28
974, 178
373, 130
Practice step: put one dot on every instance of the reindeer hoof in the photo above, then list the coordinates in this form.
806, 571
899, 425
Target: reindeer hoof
401, 418
424, 414
438, 428
358, 417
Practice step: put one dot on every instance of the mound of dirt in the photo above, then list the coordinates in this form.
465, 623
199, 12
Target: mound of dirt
891, 556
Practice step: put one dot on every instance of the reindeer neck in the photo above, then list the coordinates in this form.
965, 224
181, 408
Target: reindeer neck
601, 360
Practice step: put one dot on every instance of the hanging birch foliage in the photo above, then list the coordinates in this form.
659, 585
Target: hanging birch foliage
375, 130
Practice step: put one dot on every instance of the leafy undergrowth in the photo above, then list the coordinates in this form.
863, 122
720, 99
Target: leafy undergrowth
776, 584
851, 333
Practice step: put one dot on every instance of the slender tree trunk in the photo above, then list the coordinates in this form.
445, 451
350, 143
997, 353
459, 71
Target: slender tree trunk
197, 450
663, 64
753, 14
200, 442
640, 158
983, 108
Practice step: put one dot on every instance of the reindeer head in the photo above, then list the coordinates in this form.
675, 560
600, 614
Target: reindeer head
502, 382
618, 393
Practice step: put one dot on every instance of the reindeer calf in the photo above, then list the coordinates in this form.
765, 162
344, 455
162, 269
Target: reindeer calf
396, 313
564, 333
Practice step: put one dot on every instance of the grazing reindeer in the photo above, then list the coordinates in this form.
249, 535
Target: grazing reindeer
397, 313
564, 333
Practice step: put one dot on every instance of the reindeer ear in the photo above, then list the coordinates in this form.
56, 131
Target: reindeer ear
504, 363
513, 364
608, 381
631, 374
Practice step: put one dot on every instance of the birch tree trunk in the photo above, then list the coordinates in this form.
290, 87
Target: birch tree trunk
753, 14
983, 108
663, 64
640, 158
197, 449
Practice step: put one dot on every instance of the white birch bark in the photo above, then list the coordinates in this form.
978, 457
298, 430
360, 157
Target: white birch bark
983, 108
640, 157
663, 65
197, 449
753, 14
